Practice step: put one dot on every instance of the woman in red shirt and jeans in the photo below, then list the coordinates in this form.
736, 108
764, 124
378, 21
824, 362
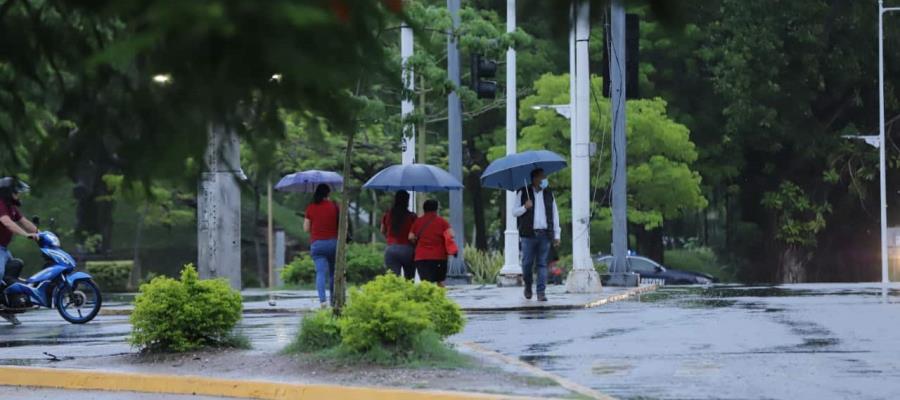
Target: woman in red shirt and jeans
395, 225
322, 225
431, 254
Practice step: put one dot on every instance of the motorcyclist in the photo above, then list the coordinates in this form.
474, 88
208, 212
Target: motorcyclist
12, 223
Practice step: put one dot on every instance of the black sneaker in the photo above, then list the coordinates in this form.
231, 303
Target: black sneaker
542, 297
528, 292
11, 318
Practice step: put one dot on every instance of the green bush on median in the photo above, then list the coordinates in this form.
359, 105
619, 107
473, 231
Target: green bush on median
364, 263
186, 314
385, 320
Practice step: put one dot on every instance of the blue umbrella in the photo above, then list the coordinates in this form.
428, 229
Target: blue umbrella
514, 171
306, 181
413, 177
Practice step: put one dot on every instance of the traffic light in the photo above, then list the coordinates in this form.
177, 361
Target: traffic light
483, 68
632, 57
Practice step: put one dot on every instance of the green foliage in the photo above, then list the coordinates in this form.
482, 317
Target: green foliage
661, 183
485, 266
390, 312
186, 314
364, 263
318, 331
111, 276
799, 218
699, 259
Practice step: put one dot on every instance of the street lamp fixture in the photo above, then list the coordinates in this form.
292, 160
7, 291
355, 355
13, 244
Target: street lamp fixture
162, 79
562, 109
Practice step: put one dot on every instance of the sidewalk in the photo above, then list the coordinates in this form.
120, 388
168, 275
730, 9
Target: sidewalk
472, 298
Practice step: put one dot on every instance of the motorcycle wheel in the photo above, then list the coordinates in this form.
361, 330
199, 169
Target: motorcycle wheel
80, 303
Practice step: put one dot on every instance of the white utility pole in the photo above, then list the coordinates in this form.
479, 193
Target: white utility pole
406, 105
583, 278
885, 278
511, 274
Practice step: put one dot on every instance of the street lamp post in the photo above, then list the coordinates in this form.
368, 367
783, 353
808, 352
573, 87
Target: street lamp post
511, 274
881, 149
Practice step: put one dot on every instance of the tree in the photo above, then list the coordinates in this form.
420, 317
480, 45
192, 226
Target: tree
661, 183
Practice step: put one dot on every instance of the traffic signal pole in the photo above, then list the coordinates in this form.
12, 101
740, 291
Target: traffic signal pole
583, 278
454, 133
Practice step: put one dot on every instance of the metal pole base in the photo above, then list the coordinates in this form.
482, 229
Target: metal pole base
510, 280
583, 281
621, 279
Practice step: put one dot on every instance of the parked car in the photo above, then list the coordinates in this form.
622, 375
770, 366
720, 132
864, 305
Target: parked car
649, 269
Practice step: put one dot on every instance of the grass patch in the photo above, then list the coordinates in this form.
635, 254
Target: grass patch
427, 350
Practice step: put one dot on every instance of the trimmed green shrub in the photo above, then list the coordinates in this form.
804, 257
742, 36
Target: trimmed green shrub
390, 312
111, 276
186, 314
364, 263
485, 266
318, 331
300, 270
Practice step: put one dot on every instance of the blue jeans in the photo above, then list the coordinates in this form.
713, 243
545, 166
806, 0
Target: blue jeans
323, 252
536, 250
5, 256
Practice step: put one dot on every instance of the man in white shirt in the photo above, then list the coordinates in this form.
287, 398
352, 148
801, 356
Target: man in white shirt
538, 219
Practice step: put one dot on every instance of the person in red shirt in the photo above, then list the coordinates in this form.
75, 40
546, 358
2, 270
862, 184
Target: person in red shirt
12, 223
431, 254
322, 225
395, 225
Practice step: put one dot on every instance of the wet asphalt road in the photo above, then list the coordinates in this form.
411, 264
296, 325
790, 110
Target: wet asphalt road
795, 342
726, 342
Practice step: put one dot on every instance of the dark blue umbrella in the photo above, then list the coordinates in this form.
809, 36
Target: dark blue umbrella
413, 177
514, 171
306, 181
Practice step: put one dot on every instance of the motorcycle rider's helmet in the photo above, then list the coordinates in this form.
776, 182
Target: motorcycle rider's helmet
10, 185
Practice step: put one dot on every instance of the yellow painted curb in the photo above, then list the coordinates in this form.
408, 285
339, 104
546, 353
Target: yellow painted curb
196, 385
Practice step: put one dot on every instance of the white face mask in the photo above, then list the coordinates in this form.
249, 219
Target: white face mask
544, 183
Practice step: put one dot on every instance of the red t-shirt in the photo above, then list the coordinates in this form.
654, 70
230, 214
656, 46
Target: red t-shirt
402, 237
430, 243
9, 210
323, 220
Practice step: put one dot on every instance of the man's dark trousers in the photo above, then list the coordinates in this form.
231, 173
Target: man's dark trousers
536, 250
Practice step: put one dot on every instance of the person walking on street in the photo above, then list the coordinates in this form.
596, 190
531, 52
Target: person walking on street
321, 223
395, 225
12, 223
431, 233
538, 220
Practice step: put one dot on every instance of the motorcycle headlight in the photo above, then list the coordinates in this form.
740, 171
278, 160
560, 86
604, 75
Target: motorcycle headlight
51, 239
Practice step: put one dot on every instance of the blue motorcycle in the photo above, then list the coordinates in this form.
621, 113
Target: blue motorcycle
73, 293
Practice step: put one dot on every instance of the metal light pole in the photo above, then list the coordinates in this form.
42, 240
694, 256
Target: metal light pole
583, 278
881, 148
454, 133
511, 274
406, 105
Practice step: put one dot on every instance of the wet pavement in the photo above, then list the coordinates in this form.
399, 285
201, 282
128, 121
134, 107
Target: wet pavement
722, 342
790, 342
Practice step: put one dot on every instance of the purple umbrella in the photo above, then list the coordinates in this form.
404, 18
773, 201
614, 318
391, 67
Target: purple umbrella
306, 181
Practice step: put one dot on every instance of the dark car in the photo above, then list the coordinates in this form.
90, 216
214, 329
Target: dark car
651, 270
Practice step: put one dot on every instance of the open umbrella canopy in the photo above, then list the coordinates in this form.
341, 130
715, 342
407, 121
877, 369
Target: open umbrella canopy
413, 177
306, 181
514, 171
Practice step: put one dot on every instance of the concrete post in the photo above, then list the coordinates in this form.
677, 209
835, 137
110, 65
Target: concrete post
454, 151
219, 208
583, 278
511, 274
